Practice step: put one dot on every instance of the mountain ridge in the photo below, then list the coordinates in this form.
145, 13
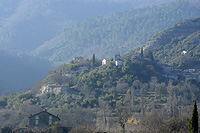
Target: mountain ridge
183, 36
113, 34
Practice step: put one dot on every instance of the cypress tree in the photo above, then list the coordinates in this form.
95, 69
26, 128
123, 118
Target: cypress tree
142, 53
92, 62
93, 59
193, 123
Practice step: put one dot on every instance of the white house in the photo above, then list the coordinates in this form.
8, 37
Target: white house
119, 63
105, 62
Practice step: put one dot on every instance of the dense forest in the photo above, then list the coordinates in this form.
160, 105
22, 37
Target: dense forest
117, 33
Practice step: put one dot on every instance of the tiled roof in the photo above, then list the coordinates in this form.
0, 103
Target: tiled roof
44, 112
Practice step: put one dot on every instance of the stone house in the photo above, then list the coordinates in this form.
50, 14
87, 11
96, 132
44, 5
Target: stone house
42, 120
53, 88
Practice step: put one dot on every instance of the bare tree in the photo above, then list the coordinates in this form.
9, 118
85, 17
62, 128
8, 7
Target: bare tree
123, 114
103, 116
156, 122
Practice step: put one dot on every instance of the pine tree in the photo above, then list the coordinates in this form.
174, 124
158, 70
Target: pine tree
193, 123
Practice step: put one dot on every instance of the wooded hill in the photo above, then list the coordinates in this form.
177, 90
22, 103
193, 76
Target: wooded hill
125, 93
108, 97
178, 45
117, 33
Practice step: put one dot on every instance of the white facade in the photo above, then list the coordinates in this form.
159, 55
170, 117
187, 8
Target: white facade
105, 62
119, 63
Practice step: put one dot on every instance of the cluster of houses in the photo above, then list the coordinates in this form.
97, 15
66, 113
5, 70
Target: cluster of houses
179, 74
119, 61
169, 71
40, 122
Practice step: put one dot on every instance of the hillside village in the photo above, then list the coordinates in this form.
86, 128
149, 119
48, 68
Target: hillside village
152, 89
169, 72
57, 93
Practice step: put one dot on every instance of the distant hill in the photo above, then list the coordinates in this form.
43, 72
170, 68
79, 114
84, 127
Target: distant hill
117, 33
178, 45
26, 24
21, 71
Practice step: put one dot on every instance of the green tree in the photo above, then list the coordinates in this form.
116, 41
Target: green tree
193, 123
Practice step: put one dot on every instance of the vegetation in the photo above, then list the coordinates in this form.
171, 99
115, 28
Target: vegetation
194, 121
98, 94
135, 95
119, 32
181, 48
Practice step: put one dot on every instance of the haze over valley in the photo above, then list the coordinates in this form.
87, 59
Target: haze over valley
99, 66
25, 25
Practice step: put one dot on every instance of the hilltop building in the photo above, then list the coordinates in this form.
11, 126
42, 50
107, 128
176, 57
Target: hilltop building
105, 62
119, 61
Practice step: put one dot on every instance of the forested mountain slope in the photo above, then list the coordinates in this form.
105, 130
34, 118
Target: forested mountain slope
94, 94
26, 24
138, 88
178, 45
117, 33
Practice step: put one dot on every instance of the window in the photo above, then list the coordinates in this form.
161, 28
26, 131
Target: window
50, 120
36, 120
